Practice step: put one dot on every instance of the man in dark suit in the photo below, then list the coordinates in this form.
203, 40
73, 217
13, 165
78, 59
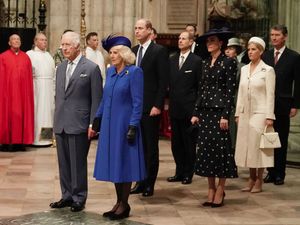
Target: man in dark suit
153, 59
78, 93
197, 48
286, 63
185, 72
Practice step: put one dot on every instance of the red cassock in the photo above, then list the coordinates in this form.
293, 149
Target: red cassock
16, 99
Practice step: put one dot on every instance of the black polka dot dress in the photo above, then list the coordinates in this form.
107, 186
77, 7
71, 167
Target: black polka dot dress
215, 157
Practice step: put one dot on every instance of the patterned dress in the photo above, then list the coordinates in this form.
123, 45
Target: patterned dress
215, 157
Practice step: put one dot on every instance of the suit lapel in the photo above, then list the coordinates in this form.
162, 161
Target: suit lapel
147, 53
185, 62
76, 74
63, 76
180, 73
282, 57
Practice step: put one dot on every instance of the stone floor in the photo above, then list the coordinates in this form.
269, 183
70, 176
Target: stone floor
29, 182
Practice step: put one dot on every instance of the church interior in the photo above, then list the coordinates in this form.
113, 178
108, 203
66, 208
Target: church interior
29, 180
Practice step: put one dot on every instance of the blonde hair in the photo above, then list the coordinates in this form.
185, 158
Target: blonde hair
126, 54
260, 47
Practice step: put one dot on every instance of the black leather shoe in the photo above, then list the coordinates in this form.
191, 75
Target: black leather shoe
176, 178
138, 188
148, 191
77, 206
120, 216
186, 180
269, 179
61, 204
278, 181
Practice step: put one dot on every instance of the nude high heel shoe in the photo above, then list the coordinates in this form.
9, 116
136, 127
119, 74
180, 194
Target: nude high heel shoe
251, 184
257, 187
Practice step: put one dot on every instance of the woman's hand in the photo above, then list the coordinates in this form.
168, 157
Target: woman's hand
223, 124
236, 119
194, 120
269, 122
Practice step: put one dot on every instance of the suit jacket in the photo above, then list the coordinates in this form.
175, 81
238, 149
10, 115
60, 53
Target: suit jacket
256, 91
155, 67
75, 108
287, 88
183, 85
217, 85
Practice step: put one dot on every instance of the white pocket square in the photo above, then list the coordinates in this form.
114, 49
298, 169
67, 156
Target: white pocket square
188, 71
83, 75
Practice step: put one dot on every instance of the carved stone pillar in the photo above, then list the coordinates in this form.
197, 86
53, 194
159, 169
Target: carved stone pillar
42, 17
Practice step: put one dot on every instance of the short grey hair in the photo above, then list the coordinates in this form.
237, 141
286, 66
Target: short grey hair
75, 37
127, 55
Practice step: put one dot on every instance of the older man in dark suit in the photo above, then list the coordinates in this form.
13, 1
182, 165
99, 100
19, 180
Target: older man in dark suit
185, 72
153, 59
286, 63
78, 93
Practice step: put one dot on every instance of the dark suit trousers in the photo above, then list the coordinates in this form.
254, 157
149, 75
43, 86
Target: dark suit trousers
183, 147
282, 126
150, 133
72, 151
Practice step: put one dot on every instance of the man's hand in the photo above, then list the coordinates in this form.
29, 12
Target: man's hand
293, 112
155, 111
91, 133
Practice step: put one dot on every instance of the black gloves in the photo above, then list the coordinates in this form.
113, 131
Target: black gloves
96, 124
131, 134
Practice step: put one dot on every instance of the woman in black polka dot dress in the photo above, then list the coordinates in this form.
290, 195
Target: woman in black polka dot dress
215, 157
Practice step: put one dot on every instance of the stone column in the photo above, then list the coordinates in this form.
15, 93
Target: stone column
288, 14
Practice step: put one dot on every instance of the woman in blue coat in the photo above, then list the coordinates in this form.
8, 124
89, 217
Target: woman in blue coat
120, 157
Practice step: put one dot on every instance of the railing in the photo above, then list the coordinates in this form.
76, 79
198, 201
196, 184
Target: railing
22, 14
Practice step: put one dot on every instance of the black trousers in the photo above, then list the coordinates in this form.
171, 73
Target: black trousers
150, 135
282, 126
183, 147
72, 151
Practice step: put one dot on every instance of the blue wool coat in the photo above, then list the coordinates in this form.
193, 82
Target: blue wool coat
122, 105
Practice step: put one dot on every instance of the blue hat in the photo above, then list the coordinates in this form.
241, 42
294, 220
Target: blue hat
224, 33
112, 40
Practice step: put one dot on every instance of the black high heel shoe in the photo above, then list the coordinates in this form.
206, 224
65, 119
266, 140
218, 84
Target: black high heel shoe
109, 213
120, 216
216, 205
207, 204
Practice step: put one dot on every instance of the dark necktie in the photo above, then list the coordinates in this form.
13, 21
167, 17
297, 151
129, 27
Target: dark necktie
140, 56
276, 57
181, 61
69, 74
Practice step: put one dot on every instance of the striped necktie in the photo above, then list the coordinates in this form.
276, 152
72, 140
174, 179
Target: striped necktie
69, 74
276, 57
140, 56
181, 61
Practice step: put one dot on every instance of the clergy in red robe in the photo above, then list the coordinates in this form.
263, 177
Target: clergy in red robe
16, 96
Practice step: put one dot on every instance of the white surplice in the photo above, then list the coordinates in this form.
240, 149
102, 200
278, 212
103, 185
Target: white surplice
43, 69
96, 57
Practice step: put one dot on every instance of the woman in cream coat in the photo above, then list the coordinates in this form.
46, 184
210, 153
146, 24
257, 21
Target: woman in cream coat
254, 110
